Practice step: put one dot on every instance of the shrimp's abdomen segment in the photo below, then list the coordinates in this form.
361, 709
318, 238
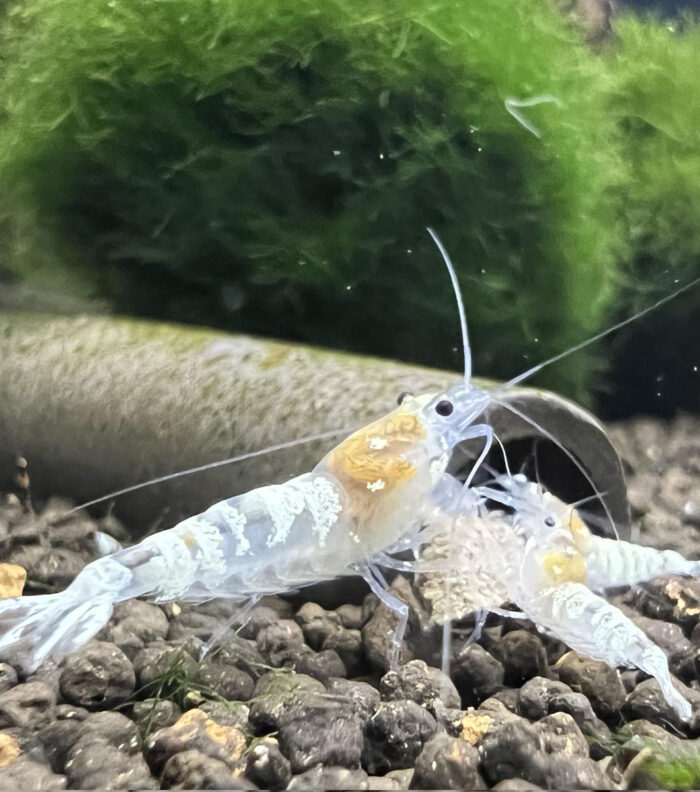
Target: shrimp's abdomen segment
268, 540
615, 563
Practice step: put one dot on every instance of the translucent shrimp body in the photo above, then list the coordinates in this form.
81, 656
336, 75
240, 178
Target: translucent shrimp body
562, 564
366, 495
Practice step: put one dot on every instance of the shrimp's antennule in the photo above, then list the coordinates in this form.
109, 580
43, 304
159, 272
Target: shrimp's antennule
460, 305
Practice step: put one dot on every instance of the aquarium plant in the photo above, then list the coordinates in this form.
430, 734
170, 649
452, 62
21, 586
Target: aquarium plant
654, 69
272, 167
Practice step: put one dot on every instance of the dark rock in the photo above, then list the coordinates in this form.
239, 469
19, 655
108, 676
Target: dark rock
395, 735
58, 738
447, 763
266, 766
535, 695
379, 629
50, 674
561, 735
513, 749
135, 624
259, 617
630, 678
575, 772
242, 654
194, 770
317, 623
153, 714
276, 640
598, 682
8, 677
348, 645
319, 665
319, 729
579, 707
71, 712
515, 785
352, 617
113, 728
281, 606
195, 731
419, 682
508, 697
378, 783
192, 623
274, 692
93, 763
227, 713
28, 742
476, 674
226, 681
365, 699
54, 567
156, 662
29, 776
29, 706
647, 702
99, 675
110, 728
672, 598
496, 711
332, 778
449, 719
695, 635
522, 654
369, 605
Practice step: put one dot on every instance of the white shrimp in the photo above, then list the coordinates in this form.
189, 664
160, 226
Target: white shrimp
561, 566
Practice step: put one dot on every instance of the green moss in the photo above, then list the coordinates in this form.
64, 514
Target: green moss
271, 168
676, 773
654, 67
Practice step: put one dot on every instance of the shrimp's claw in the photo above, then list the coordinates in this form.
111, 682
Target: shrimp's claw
592, 626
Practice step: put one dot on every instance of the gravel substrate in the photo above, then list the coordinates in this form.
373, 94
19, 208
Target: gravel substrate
302, 698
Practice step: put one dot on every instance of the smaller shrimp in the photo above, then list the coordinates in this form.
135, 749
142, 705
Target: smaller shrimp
563, 564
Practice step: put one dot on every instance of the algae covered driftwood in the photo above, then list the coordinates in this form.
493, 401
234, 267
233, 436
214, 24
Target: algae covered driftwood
98, 403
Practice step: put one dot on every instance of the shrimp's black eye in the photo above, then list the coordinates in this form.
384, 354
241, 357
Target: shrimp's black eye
444, 408
549, 521
402, 396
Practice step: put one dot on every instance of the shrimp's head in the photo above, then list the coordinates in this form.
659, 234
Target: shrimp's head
390, 451
411, 443
539, 513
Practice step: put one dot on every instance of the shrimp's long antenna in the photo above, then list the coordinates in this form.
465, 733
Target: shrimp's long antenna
208, 466
517, 380
460, 305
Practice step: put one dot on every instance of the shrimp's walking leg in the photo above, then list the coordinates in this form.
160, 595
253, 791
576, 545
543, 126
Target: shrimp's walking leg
480, 617
473, 433
375, 580
613, 563
239, 615
592, 626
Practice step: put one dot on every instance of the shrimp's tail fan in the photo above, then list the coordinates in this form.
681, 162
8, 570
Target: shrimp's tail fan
50, 625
